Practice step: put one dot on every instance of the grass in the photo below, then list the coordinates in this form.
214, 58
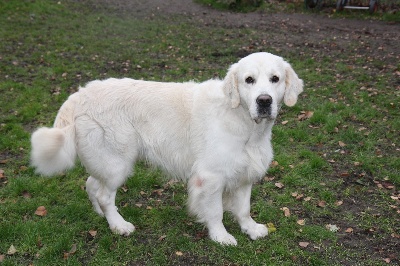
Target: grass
49, 48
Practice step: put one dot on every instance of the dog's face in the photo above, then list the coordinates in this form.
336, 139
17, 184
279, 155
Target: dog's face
260, 82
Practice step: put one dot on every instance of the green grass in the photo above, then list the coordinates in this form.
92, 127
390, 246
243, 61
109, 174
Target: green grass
48, 49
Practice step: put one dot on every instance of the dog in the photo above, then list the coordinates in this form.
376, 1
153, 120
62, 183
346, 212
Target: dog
215, 135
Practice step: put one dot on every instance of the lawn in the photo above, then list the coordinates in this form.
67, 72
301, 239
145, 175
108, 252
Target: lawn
331, 197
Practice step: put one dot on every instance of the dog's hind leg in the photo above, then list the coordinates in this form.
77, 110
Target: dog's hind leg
92, 186
106, 200
105, 156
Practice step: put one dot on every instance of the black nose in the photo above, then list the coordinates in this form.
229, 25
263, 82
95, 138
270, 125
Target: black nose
264, 100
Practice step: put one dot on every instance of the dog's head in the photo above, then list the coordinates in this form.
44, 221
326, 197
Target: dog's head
260, 82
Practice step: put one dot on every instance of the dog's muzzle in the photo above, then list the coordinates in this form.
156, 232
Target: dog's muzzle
264, 102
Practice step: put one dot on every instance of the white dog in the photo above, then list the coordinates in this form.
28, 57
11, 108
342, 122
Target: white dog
215, 134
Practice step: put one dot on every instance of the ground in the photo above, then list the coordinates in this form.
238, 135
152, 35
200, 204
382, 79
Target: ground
306, 33
345, 150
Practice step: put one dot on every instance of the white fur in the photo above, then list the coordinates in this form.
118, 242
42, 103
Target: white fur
209, 133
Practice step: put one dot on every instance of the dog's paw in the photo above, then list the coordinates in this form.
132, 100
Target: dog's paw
123, 228
256, 231
224, 239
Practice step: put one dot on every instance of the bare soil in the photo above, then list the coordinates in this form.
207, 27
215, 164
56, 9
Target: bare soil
285, 31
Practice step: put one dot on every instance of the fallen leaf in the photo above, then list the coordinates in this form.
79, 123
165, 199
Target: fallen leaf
307, 199
161, 238
304, 244
279, 185
387, 260
2, 257
305, 115
349, 230
322, 204
41, 211
339, 202
73, 249
26, 194
342, 144
12, 250
301, 222
267, 178
345, 174
179, 253
271, 228
93, 233
158, 192
286, 211
274, 164
285, 122
139, 205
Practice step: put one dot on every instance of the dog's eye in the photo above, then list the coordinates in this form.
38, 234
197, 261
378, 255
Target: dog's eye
274, 79
249, 80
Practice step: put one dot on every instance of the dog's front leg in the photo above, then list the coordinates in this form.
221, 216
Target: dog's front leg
205, 201
238, 202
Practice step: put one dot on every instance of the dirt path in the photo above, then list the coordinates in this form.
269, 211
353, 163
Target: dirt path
376, 38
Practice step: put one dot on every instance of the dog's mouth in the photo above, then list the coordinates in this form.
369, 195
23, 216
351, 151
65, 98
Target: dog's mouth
264, 113
268, 116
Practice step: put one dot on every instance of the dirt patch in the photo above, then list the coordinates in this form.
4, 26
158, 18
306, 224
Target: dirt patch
284, 31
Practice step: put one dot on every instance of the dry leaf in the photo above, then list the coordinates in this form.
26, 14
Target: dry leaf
12, 250
93, 233
267, 178
304, 244
274, 164
73, 249
285, 122
342, 144
307, 199
2, 257
339, 202
179, 253
161, 238
349, 230
387, 260
26, 194
322, 204
305, 115
286, 211
279, 185
301, 222
41, 211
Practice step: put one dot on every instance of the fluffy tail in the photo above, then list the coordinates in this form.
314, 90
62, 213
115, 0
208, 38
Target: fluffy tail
53, 149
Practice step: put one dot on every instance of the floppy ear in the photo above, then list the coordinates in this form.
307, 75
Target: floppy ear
231, 86
294, 86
